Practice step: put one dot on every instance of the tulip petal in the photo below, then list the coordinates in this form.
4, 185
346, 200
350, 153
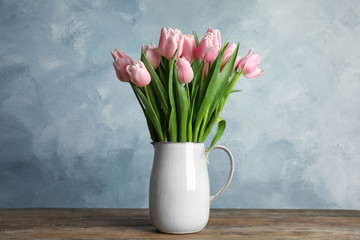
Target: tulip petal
189, 48
114, 54
170, 40
163, 34
211, 54
251, 63
120, 65
184, 70
141, 77
129, 70
254, 74
154, 57
200, 53
228, 53
169, 48
118, 74
180, 47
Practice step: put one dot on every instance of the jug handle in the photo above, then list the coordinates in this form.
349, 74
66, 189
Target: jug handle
212, 198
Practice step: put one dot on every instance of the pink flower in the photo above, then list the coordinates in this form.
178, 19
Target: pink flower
209, 45
184, 70
121, 61
228, 53
189, 48
170, 40
139, 74
152, 53
249, 65
217, 36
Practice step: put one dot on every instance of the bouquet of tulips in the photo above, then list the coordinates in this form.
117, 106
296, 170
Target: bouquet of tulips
183, 84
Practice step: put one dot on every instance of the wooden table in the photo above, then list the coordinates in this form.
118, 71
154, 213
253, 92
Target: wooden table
136, 224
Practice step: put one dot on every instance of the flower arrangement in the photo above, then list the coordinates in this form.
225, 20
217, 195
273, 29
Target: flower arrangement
183, 84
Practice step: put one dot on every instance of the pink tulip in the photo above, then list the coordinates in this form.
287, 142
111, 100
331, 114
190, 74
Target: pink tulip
170, 40
249, 65
209, 45
121, 61
228, 53
139, 74
152, 53
207, 51
189, 48
217, 36
184, 70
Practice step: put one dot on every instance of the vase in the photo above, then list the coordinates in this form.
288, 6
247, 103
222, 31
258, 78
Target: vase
179, 192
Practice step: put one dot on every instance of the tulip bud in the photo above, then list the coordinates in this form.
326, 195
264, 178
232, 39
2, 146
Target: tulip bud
184, 70
117, 53
139, 74
189, 48
228, 53
249, 65
209, 45
152, 53
217, 36
121, 61
170, 40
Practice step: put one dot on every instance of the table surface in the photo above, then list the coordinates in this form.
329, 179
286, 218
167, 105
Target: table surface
135, 224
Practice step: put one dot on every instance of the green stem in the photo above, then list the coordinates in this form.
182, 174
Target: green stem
198, 103
189, 124
188, 93
148, 97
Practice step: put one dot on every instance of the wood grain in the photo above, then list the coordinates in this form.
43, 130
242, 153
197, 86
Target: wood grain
136, 224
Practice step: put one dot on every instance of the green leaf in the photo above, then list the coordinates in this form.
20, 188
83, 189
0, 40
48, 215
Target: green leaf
196, 38
151, 128
203, 85
220, 105
160, 90
149, 111
173, 118
182, 106
228, 90
221, 87
219, 131
189, 120
192, 113
162, 73
173, 125
154, 102
156, 105
235, 91
210, 92
223, 79
197, 83
203, 126
194, 84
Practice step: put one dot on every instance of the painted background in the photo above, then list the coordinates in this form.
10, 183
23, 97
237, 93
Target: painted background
72, 135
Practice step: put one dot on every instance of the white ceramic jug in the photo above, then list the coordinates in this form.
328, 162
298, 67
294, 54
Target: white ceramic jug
179, 194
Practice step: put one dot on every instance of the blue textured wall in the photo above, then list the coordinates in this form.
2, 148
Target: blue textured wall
72, 135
